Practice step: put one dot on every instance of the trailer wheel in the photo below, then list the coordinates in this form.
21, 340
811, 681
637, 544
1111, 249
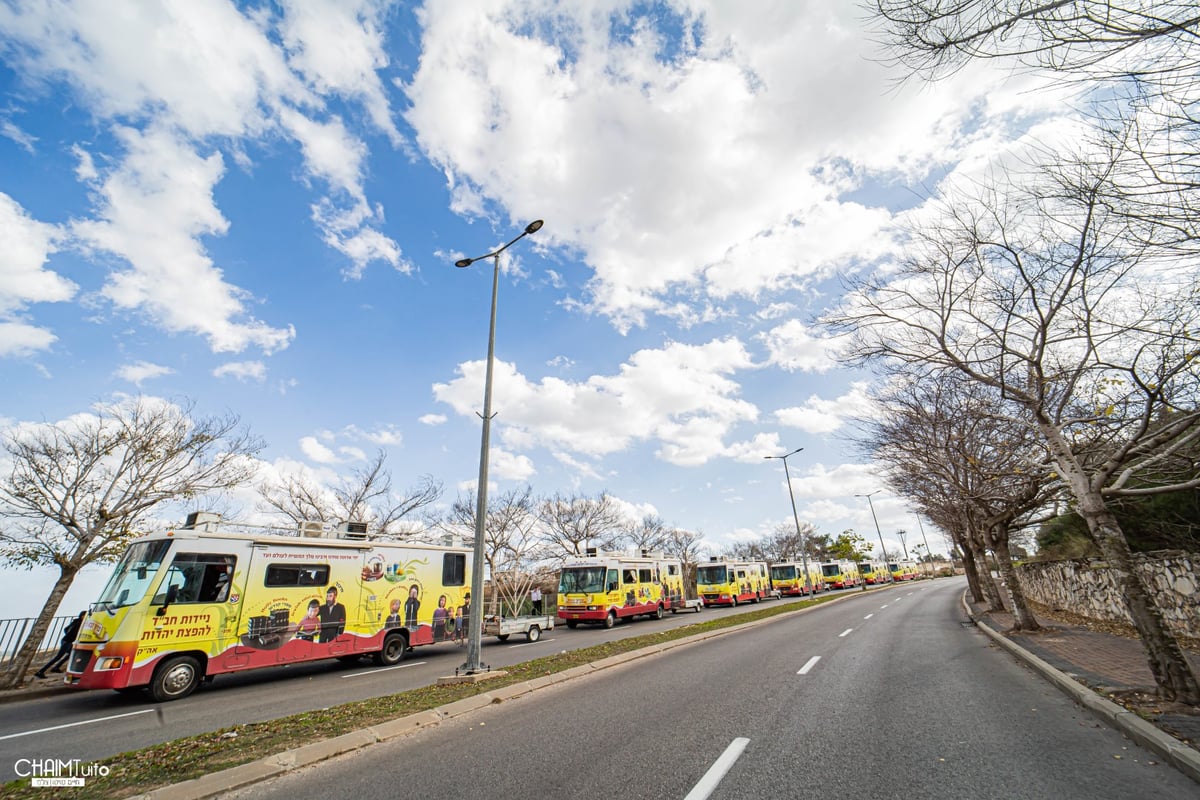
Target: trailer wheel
572, 624
392, 653
534, 633
658, 612
502, 637
175, 679
611, 619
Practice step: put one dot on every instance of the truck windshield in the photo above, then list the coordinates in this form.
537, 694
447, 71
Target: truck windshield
783, 573
865, 568
133, 574
710, 575
581, 579
830, 570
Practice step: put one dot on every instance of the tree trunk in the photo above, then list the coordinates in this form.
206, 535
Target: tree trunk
1172, 673
15, 676
972, 571
1023, 619
991, 591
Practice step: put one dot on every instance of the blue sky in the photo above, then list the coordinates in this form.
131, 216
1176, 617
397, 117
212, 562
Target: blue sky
258, 206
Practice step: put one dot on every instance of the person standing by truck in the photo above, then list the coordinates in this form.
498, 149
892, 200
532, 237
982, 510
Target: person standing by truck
535, 597
64, 647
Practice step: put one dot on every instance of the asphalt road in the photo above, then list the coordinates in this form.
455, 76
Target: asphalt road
883, 695
93, 725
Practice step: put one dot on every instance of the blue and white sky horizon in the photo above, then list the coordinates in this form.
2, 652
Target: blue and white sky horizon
257, 206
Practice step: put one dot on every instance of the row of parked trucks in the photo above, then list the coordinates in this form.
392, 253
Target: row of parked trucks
184, 606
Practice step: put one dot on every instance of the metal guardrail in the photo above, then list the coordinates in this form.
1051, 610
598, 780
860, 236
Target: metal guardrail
14, 632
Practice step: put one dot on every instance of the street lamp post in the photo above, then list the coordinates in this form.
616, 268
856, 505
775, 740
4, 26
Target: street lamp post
474, 628
796, 517
878, 532
903, 534
928, 554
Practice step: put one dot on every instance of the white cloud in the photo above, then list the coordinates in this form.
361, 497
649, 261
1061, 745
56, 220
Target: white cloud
718, 152
154, 209
10, 130
432, 419
793, 346
316, 451
510, 466
338, 47
27, 246
141, 371
242, 370
19, 339
679, 396
818, 415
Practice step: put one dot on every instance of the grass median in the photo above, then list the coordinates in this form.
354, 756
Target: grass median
184, 759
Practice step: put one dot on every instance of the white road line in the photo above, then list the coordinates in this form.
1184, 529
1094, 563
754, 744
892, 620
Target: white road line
868, 616
405, 665
526, 644
812, 662
717, 771
883, 606
76, 724
845, 632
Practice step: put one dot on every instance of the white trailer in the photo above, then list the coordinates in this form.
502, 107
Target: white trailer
531, 626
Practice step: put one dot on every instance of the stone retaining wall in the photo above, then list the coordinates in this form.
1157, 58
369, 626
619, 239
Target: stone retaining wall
1088, 587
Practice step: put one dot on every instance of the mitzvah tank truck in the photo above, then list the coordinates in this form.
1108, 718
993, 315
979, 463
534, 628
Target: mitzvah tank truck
187, 605
605, 587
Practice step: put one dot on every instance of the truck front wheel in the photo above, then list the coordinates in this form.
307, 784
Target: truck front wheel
175, 679
611, 619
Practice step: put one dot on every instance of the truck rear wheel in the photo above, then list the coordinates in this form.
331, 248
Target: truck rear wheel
392, 652
658, 612
502, 637
175, 679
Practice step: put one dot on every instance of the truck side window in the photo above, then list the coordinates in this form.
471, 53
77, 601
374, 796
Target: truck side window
454, 569
197, 578
297, 575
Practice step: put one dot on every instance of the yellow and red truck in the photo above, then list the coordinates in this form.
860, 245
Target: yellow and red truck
605, 587
787, 578
184, 606
723, 582
840, 574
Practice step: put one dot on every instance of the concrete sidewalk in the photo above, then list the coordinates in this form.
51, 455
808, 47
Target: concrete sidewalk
1098, 669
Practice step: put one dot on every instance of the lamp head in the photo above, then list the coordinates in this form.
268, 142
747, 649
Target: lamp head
534, 226
464, 262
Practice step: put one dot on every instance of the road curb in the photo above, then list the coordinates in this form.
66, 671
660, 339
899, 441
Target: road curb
1184, 758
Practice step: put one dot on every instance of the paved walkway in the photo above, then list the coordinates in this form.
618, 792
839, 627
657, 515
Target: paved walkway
1103, 662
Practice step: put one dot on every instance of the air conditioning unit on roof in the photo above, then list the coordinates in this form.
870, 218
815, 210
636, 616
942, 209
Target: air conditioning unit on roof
352, 530
202, 521
312, 528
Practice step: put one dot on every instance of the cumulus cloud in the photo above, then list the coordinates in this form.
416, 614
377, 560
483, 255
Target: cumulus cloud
679, 397
142, 371
727, 152
819, 415
242, 370
24, 278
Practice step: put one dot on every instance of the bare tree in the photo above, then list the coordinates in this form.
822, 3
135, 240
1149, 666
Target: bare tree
572, 524
688, 547
1150, 41
649, 533
511, 542
1043, 288
80, 489
364, 496
944, 443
